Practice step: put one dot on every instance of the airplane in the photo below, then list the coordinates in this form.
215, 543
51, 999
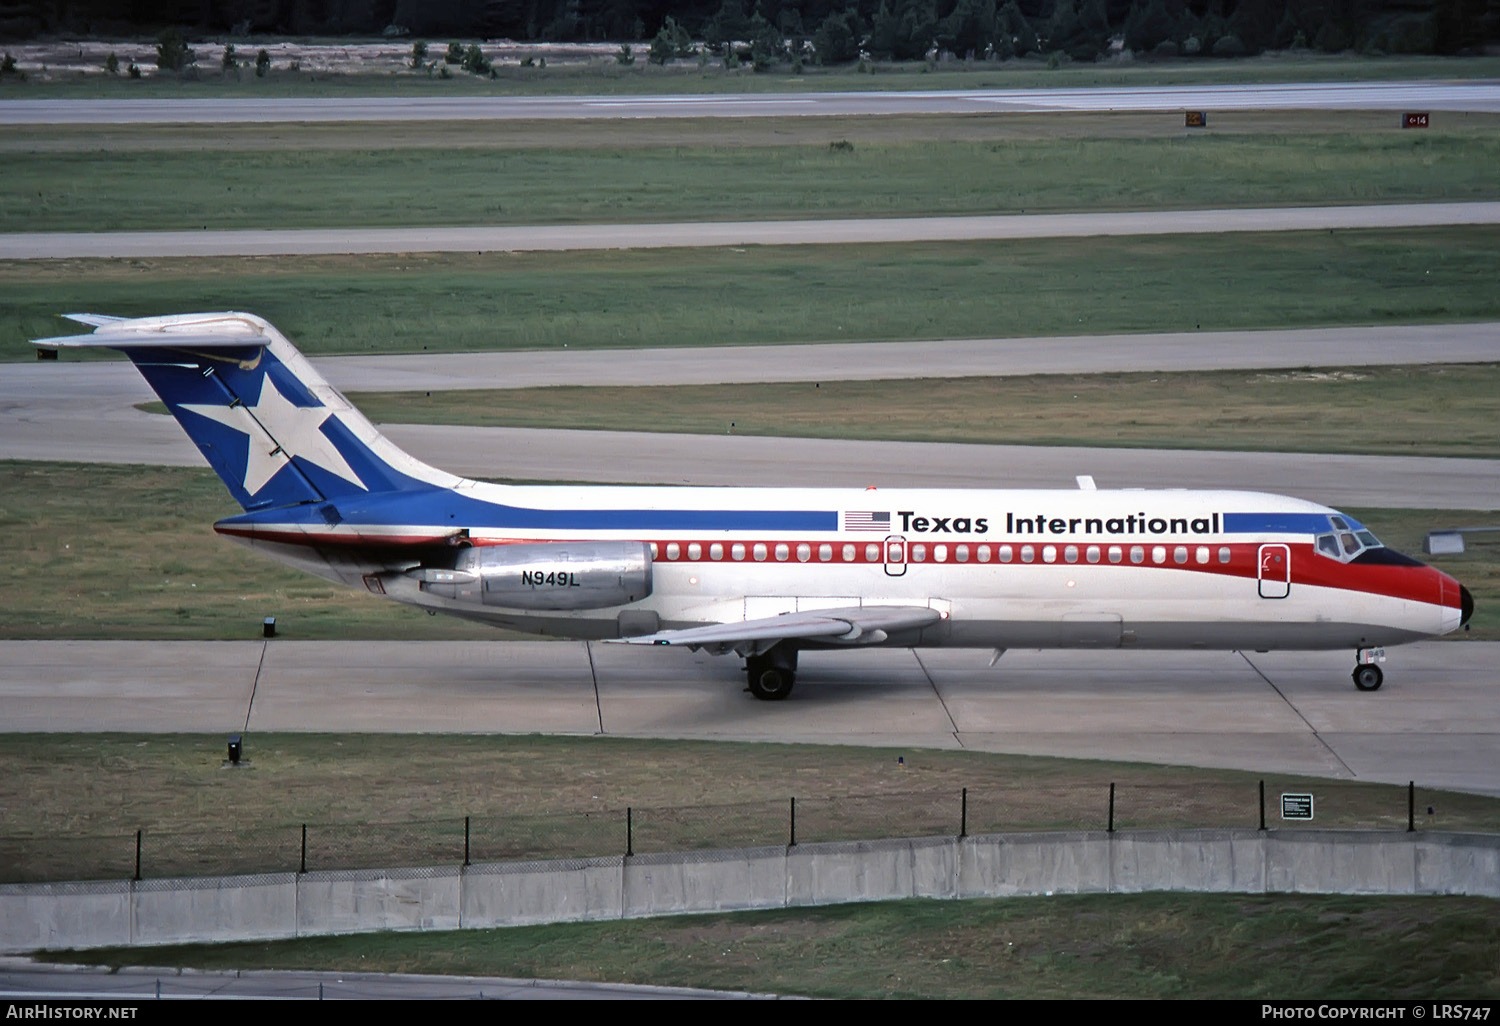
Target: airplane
767, 572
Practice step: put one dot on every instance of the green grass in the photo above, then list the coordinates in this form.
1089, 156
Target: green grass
102, 551
686, 77
1160, 945
541, 797
757, 295
1143, 946
129, 552
311, 176
1439, 410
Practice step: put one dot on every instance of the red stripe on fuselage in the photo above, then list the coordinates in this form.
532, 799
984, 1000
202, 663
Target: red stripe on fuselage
1309, 568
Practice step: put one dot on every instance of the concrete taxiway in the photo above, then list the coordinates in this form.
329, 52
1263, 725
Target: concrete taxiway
845, 231
39, 419
1479, 96
1436, 721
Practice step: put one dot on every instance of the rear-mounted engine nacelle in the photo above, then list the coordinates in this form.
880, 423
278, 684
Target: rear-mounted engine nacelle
547, 575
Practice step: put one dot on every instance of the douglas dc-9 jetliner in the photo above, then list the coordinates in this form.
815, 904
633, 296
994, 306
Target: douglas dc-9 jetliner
766, 572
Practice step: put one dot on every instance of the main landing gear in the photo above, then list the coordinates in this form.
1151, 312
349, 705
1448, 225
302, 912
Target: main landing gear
1367, 675
771, 674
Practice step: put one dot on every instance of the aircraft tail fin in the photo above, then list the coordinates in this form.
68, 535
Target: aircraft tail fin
272, 428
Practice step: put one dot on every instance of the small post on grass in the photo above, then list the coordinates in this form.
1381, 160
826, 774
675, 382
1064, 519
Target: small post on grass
793, 842
137, 856
466, 840
629, 833
1111, 807
1411, 806
963, 815
304, 849
1262, 804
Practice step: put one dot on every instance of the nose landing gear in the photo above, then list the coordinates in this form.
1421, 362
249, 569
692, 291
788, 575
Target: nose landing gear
1367, 674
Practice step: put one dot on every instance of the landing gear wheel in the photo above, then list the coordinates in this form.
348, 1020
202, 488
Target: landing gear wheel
770, 683
1368, 677
772, 674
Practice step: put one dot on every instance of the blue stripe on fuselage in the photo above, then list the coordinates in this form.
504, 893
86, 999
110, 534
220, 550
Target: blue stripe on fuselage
1277, 523
445, 510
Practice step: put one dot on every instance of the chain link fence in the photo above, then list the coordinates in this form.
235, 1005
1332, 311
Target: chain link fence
1022, 806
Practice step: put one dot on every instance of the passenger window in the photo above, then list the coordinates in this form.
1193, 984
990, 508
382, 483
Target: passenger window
983, 552
716, 551
872, 553
919, 553
1202, 554
1159, 554
1092, 555
1224, 554
804, 552
1137, 554
1049, 553
961, 553
672, 551
695, 551
1028, 554
1070, 554
940, 553
1116, 554
1179, 554
782, 551
850, 553
1006, 554
825, 552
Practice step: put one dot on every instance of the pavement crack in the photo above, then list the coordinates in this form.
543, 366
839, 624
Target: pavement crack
1298, 712
588, 650
939, 695
255, 685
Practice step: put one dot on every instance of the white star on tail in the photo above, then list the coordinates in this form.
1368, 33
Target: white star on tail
279, 430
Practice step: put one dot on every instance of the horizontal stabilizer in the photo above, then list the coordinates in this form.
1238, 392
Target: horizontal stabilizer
93, 320
126, 340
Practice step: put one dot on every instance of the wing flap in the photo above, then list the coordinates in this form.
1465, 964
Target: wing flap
855, 626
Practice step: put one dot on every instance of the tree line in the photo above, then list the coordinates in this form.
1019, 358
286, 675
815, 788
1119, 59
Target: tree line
831, 31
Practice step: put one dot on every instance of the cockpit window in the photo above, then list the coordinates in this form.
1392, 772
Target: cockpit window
1348, 540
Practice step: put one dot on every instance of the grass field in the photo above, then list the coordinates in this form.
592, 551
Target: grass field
127, 552
1439, 410
75, 179
1106, 946
1144, 946
728, 295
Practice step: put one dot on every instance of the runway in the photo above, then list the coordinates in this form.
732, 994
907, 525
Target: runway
849, 231
1412, 95
1436, 721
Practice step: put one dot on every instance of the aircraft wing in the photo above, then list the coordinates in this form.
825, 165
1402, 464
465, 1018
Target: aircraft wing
858, 625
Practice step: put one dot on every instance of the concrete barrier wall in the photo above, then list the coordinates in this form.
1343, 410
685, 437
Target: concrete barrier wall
119, 913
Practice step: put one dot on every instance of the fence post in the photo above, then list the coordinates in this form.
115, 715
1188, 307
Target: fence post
629, 833
137, 856
466, 840
1111, 807
304, 849
1411, 806
963, 816
1262, 804
793, 842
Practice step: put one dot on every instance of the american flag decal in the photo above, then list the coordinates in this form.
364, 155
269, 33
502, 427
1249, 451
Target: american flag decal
866, 521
